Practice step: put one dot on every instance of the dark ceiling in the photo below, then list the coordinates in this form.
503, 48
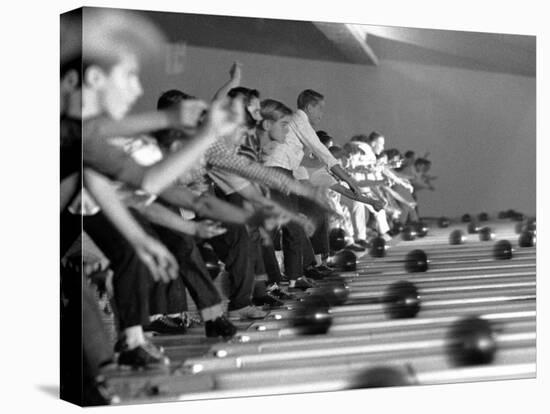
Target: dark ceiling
504, 53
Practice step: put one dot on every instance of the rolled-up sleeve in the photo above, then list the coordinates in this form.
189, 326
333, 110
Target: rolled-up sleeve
300, 126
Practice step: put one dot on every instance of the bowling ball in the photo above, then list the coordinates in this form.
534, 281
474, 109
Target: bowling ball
502, 250
378, 247
416, 261
312, 316
443, 222
473, 228
483, 217
486, 234
384, 376
345, 260
457, 237
401, 300
335, 291
466, 218
211, 260
471, 341
527, 239
421, 229
409, 233
337, 239
503, 215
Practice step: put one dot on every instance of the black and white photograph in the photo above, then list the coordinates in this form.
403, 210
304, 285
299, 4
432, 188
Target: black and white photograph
273, 208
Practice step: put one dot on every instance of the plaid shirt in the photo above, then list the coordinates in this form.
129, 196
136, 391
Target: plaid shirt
223, 156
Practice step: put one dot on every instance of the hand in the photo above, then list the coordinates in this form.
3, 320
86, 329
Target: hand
189, 113
225, 116
157, 258
207, 229
235, 71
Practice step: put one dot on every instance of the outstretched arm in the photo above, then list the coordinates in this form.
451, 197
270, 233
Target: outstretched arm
154, 255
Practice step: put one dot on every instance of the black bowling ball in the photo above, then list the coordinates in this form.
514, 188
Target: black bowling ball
466, 218
335, 291
409, 233
483, 217
384, 376
337, 239
402, 300
473, 228
486, 234
421, 229
457, 237
311, 316
416, 261
345, 260
471, 341
378, 247
527, 239
443, 222
502, 250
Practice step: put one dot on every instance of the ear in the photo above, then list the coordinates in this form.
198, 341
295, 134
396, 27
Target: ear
266, 124
94, 77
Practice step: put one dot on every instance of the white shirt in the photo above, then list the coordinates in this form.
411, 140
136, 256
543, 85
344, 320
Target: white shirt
289, 155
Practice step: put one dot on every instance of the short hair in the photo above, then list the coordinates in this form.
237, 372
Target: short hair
374, 136
352, 148
110, 34
360, 138
274, 110
409, 154
246, 93
172, 97
422, 161
392, 153
309, 97
338, 152
324, 137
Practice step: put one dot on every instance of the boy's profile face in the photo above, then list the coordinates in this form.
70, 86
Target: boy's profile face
279, 129
254, 108
315, 112
378, 145
121, 87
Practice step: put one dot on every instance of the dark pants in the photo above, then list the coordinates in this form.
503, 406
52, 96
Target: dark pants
271, 264
319, 240
84, 343
194, 274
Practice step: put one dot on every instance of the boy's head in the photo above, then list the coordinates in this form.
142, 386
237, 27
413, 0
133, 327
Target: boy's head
422, 165
354, 153
114, 42
276, 117
313, 104
167, 138
376, 141
340, 154
325, 139
251, 101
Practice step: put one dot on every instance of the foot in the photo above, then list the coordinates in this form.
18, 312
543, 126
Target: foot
314, 273
145, 355
268, 300
363, 243
166, 326
276, 291
188, 320
304, 283
248, 312
220, 326
355, 247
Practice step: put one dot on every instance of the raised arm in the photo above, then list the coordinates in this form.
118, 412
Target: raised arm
235, 75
